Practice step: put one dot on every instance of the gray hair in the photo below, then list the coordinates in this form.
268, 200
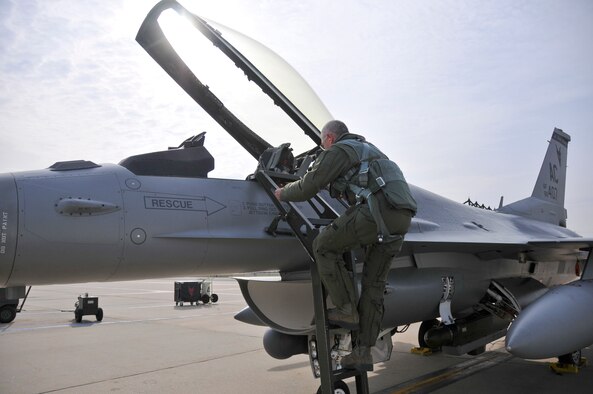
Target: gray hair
335, 127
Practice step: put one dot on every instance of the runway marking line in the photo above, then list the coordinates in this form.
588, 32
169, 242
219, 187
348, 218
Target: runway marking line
446, 376
9, 330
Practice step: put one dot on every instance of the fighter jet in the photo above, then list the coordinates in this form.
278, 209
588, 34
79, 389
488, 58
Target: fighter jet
468, 274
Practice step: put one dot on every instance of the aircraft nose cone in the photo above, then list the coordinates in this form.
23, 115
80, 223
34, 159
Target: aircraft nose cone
8, 226
517, 341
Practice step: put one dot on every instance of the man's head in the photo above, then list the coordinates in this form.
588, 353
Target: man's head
331, 132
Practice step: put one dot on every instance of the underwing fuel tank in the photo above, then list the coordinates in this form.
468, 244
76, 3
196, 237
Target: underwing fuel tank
8, 226
287, 306
558, 323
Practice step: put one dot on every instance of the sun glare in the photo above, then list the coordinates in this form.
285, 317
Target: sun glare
242, 97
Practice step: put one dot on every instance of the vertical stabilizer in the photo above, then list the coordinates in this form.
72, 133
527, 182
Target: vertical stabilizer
547, 200
551, 182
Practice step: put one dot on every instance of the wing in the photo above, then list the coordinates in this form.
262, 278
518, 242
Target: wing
443, 225
564, 243
537, 249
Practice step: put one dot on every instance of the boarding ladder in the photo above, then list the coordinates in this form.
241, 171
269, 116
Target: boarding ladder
306, 229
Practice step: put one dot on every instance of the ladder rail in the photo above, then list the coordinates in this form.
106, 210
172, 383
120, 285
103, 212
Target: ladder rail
297, 220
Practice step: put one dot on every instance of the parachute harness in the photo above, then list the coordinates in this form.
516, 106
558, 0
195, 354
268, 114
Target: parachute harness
363, 193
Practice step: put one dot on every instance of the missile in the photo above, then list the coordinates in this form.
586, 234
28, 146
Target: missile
558, 323
282, 346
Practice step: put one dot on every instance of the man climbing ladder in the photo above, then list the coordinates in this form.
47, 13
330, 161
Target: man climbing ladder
381, 208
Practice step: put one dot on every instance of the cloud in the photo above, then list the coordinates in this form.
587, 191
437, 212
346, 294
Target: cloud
453, 90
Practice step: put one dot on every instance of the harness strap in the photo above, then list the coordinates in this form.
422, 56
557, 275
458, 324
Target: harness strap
364, 193
363, 172
363, 169
383, 235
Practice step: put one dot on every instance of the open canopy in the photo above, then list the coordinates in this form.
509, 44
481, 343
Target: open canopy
248, 121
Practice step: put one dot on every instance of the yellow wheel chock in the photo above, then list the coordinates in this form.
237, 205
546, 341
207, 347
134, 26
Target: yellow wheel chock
422, 351
560, 368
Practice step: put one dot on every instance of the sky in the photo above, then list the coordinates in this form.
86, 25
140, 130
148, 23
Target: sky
463, 95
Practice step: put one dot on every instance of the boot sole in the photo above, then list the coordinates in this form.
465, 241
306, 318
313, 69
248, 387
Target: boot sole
343, 324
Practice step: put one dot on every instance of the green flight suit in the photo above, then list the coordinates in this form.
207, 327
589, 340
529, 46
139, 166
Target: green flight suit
355, 228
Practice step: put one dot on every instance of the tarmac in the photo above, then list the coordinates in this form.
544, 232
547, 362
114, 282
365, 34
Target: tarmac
147, 344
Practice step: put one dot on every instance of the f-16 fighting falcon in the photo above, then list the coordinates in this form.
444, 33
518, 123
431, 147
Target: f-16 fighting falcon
472, 275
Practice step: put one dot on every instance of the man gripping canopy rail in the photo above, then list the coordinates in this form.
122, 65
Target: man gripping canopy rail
380, 212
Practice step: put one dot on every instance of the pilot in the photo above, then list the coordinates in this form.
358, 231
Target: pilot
381, 209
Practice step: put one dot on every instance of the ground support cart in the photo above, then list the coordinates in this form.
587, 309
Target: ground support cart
193, 292
87, 306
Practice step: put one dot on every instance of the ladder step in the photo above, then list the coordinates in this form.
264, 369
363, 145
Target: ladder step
320, 222
297, 220
279, 176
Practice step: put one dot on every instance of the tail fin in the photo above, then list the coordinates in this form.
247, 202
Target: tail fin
546, 203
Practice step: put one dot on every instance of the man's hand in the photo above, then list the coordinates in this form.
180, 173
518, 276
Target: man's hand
277, 193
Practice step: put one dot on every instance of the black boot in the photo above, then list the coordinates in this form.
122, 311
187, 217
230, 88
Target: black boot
360, 359
344, 317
